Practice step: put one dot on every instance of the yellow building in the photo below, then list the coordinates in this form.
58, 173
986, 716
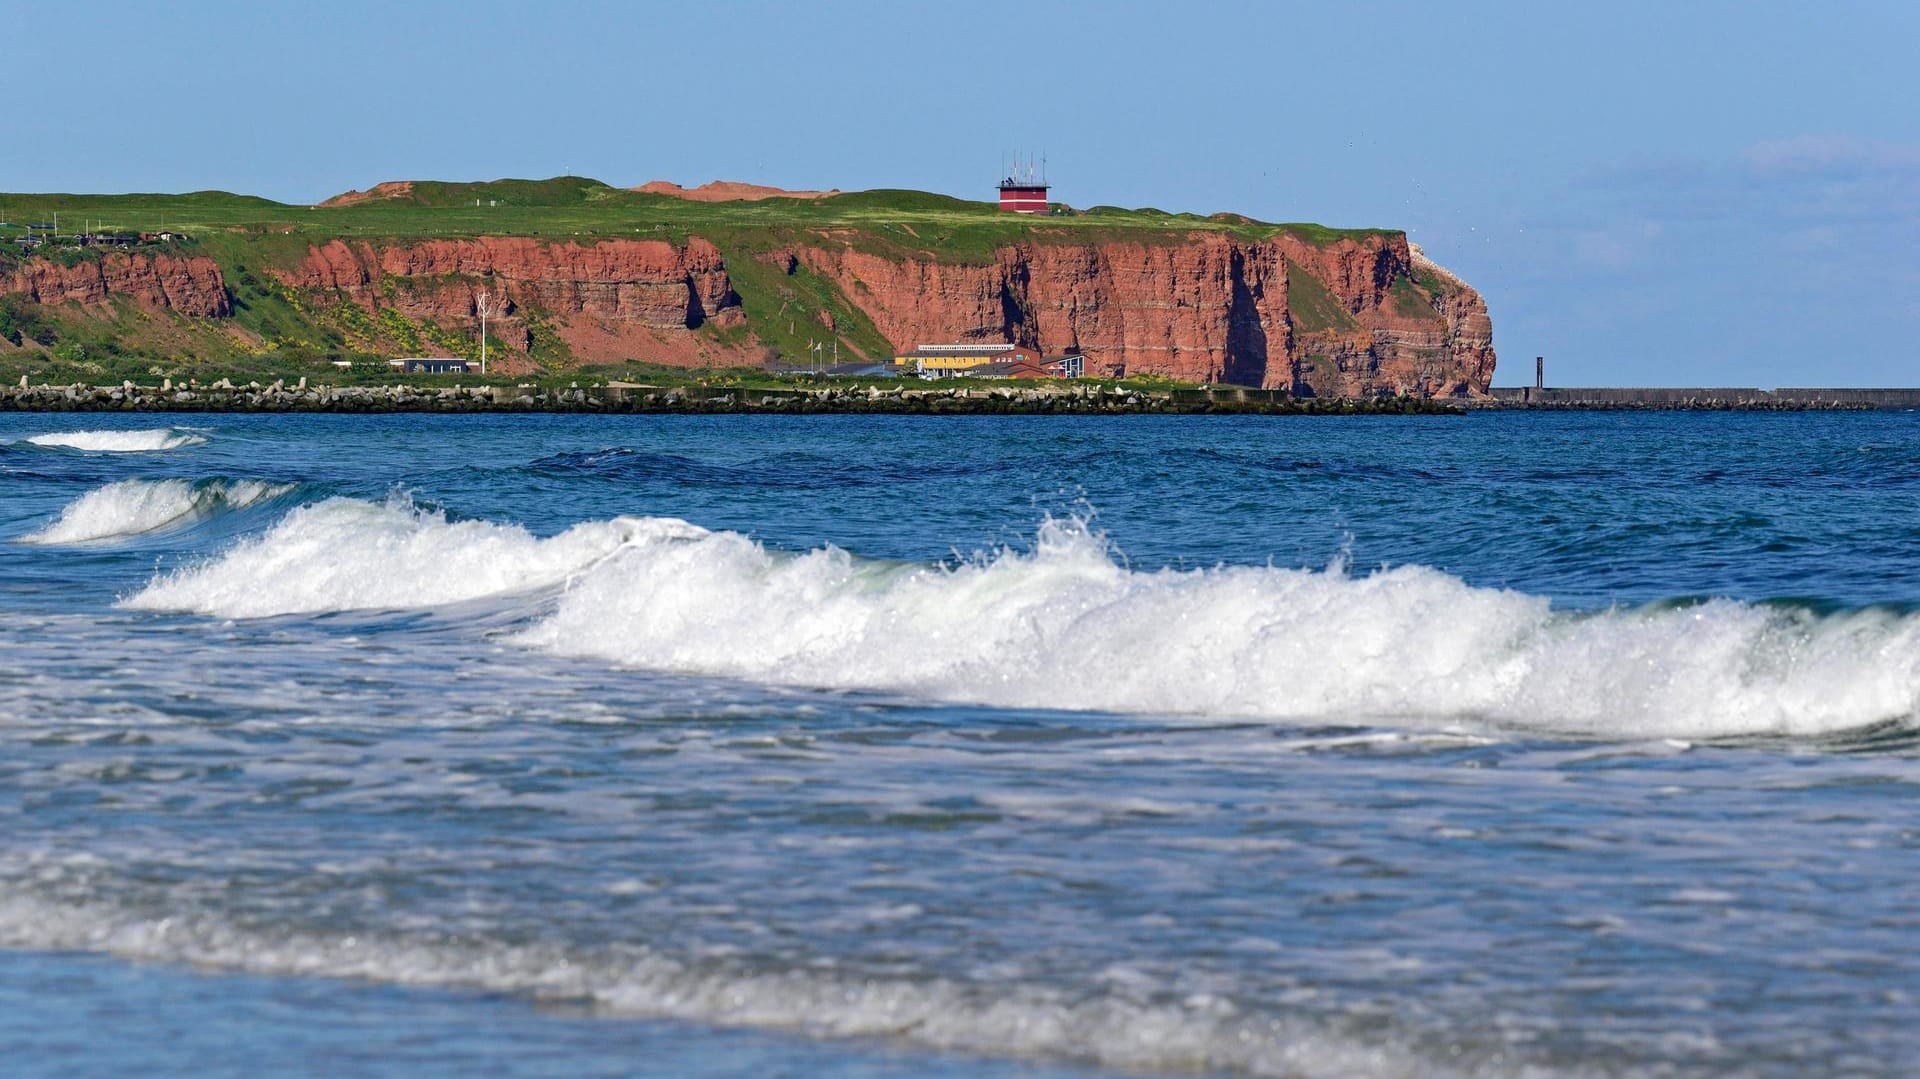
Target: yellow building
948, 360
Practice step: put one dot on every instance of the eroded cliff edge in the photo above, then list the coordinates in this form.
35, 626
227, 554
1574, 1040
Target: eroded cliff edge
190, 285
604, 301
1355, 318
1313, 312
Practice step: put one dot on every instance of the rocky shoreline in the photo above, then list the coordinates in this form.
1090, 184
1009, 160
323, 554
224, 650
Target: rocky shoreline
225, 396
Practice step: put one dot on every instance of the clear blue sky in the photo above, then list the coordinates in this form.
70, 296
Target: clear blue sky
1647, 193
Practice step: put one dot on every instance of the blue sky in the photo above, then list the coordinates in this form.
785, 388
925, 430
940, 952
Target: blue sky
1662, 194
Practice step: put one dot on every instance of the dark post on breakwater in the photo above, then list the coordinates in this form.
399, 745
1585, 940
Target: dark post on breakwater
1539, 372
1700, 398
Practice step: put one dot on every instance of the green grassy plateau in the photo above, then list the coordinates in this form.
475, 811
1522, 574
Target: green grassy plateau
576, 206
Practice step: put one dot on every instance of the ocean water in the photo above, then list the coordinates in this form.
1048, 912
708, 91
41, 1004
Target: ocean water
1500, 745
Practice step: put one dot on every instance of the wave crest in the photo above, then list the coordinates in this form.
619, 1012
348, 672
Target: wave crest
348, 554
1068, 626
147, 441
138, 507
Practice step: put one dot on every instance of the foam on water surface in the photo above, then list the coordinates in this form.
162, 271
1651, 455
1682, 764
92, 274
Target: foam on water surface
1121, 1027
1067, 625
348, 554
131, 508
145, 441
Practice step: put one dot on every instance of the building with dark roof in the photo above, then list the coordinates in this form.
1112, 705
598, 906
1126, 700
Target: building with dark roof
434, 365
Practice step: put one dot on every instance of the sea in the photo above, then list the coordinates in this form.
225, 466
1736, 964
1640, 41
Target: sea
1505, 744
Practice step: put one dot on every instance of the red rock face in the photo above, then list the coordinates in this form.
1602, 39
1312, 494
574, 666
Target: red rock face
1469, 341
1357, 317
1353, 318
191, 285
647, 282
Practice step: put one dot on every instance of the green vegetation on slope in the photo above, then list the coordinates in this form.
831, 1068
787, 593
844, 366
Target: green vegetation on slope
111, 342
1314, 307
785, 311
1407, 301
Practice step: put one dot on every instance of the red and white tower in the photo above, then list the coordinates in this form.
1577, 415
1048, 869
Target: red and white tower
1024, 195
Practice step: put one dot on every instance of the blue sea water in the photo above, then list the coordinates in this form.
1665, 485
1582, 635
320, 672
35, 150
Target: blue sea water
1507, 744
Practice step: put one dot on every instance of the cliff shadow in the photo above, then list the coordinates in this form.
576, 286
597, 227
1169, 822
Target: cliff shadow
696, 311
1246, 359
1015, 321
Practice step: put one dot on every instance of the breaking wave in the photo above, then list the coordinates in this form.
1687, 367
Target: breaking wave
147, 441
137, 507
1115, 1028
348, 554
1067, 625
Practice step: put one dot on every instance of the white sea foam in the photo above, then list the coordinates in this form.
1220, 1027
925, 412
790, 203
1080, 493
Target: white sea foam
346, 554
1068, 626
1114, 1028
136, 507
147, 441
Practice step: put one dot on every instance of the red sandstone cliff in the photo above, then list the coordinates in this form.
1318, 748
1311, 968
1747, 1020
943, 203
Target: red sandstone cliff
191, 285
650, 282
608, 300
1469, 339
1359, 317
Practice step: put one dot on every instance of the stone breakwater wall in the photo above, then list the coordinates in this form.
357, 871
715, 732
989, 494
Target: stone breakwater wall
1724, 398
223, 396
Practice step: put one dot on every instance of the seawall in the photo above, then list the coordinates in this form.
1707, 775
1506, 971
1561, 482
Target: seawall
223, 396
1734, 398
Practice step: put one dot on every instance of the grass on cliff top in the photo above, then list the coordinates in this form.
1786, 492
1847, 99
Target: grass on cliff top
566, 207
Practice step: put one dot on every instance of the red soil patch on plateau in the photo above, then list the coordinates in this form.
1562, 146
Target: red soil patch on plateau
392, 189
727, 191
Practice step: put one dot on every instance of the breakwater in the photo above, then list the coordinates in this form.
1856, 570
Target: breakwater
912, 398
1701, 398
617, 397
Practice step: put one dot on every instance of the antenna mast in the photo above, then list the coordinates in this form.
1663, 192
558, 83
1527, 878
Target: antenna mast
483, 303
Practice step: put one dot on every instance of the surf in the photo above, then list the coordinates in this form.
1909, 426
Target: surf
152, 440
130, 508
351, 554
1017, 1020
1066, 624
